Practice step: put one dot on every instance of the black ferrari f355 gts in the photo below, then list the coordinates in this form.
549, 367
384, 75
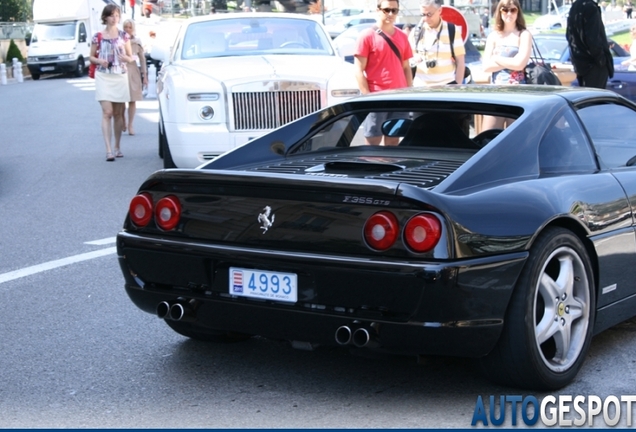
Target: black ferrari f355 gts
513, 246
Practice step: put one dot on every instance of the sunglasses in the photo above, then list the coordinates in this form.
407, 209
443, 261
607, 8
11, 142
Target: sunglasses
511, 10
428, 14
387, 11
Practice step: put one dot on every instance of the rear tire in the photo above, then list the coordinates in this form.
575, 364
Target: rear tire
167, 156
193, 331
35, 77
162, 138
164, 147
80, 68
549, 322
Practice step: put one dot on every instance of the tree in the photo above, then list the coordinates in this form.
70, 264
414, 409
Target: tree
16, 10
13, 52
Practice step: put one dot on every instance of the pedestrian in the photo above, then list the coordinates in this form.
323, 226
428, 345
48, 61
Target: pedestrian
137, 75
147, 7
110, 51
485, 21
407, 28
212, 10
437, 61
132, 9
628, 8
381, 62
631, 61
589, 50
123, 6
508, 49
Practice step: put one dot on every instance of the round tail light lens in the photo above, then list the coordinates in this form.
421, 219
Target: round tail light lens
422, 232
381, 230
168, 212
140, 209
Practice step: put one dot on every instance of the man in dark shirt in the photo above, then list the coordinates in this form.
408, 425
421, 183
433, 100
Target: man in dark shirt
589, 49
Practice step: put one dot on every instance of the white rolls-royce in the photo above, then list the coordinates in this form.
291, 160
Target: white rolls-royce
233, 77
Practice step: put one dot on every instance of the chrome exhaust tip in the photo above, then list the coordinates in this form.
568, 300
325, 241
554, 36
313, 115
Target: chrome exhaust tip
163, 310
361, 337
343, 335
177, 312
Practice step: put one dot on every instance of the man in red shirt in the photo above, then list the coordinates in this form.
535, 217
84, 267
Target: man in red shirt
382, 62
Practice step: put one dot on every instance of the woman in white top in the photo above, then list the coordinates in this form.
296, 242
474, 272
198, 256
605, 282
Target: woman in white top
507, 51
110, 51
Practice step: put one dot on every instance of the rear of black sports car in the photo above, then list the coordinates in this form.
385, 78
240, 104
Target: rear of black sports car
313, 260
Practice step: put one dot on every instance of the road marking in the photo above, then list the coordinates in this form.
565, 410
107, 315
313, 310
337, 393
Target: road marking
102, 242
28, 271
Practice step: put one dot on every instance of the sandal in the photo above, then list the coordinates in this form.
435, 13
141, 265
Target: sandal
118, 153
110, 157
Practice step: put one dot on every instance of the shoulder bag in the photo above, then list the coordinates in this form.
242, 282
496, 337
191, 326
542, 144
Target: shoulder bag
93, 66
538, 71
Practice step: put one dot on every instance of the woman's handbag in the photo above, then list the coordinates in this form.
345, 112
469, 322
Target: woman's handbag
538, 71
93, 66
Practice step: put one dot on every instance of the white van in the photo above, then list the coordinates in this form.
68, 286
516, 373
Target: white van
61, 39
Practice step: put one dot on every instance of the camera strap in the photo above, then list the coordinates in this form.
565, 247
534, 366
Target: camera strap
436, 41
390, 42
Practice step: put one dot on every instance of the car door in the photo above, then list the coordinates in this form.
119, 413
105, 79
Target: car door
612, 129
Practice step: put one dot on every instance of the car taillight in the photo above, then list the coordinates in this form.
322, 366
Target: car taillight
140, 209
381, 230
168, 212
422, 232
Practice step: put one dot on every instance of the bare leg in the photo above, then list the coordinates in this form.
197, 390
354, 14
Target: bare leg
132, 109
373, 140
118, 113
123, 116
492, 122
107, 116
391, 141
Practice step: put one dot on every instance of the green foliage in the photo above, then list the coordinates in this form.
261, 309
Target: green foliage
622, 38
16, 10
14, 52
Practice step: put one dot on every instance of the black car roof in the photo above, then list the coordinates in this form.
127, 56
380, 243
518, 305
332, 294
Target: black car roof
519, 95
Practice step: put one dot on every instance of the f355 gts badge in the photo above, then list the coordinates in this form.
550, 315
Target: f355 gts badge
263, 219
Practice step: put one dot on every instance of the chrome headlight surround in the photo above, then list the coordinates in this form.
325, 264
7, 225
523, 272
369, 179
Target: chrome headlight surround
206, 112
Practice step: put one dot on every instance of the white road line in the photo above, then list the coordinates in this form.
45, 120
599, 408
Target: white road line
102, 242
28, 271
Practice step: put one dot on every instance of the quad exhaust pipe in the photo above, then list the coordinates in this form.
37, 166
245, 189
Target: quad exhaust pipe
360, 337
176, 311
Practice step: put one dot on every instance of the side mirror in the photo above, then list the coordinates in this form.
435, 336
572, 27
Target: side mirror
396, 127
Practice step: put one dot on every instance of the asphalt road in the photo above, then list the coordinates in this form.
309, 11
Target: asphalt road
75, 352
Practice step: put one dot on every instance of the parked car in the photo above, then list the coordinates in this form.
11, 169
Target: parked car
511, 246
339, 27
336, 15
232, 77
554, 48
555, 19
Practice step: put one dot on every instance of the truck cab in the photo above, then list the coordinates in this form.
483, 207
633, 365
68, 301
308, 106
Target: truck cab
61, 46
61, 40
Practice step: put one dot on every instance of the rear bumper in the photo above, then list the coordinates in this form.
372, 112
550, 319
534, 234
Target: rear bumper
450, 308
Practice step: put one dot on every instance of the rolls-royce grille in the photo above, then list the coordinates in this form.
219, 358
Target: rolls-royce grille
268, 110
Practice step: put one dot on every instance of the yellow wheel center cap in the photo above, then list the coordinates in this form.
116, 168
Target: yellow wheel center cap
561, 309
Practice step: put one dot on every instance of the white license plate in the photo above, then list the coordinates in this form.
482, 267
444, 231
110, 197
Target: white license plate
47, 68
265, 285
